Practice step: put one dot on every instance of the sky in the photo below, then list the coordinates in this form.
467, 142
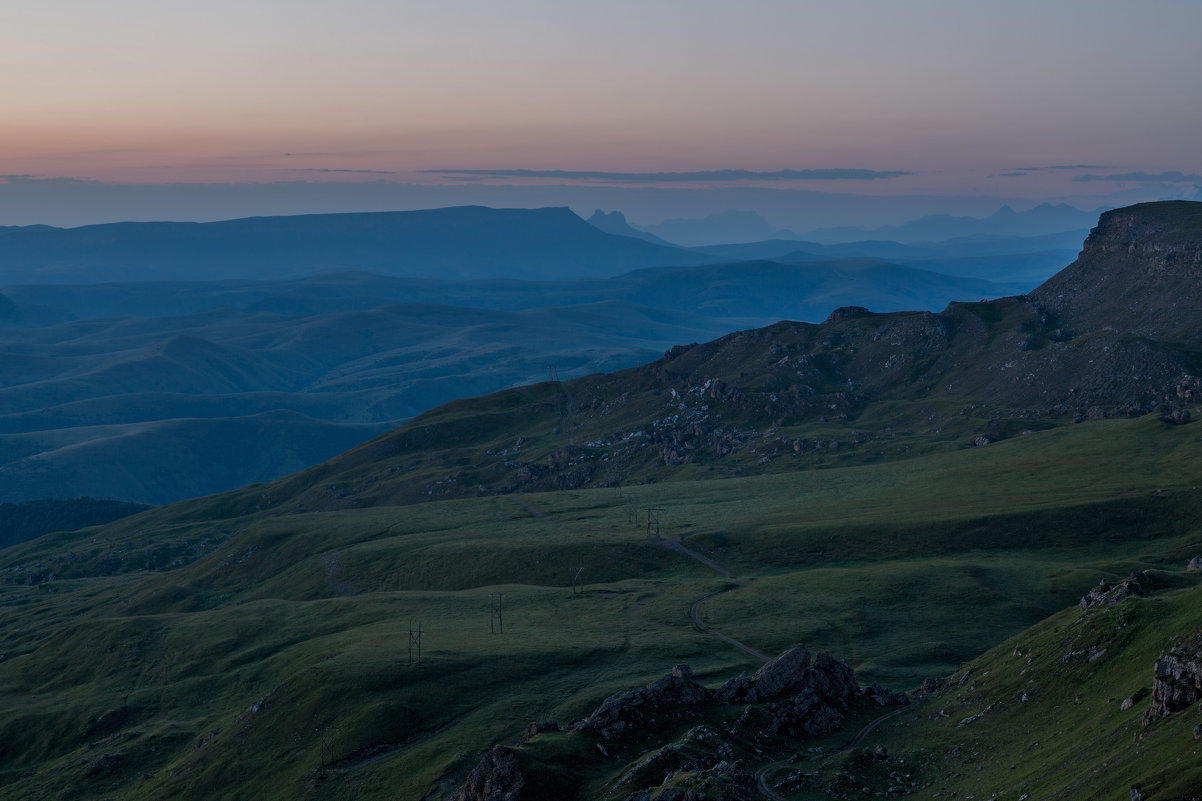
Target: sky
1089, 102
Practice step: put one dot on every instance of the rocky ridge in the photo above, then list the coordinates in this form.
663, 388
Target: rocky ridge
1084, 346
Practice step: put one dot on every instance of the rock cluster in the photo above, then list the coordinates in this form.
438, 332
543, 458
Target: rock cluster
794, 695
1106, 594
805, 714
723, 781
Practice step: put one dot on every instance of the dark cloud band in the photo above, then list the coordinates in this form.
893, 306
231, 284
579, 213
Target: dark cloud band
1171, 177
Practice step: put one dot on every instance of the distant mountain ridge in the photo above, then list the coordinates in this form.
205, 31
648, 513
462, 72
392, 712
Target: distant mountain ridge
460, 242
748, 226
1046, 218
976, 372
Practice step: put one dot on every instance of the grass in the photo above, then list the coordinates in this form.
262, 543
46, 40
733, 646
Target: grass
279, 642
1076, 741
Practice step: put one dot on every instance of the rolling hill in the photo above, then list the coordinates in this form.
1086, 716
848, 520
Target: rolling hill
353, 352
158, 400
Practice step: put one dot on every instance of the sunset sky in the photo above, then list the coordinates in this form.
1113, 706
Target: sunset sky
1016, 99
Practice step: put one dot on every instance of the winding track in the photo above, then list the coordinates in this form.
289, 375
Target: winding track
695, 609
680, 547
695, 616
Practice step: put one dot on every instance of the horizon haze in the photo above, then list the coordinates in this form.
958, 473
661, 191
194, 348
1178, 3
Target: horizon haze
811, 115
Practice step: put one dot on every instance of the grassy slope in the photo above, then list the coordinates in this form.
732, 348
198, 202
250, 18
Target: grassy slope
1070, 738
307, 616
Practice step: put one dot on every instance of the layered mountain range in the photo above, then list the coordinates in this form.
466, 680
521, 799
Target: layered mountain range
153, 377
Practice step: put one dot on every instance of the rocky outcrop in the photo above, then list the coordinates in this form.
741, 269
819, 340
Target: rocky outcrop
723, 781
790, 673
495, 778
804, 715
624, 712
1177, 680
1106, 593
794, 695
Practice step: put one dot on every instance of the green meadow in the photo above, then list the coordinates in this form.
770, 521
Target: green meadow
191, 653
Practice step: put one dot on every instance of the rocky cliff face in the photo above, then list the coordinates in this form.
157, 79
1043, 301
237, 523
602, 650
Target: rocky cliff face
1177, 679
1138, 273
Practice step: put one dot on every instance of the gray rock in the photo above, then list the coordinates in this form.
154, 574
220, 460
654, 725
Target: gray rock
1106, 594
495, 778
630, 709
538, 727
732, 691
785, 674
1176, 683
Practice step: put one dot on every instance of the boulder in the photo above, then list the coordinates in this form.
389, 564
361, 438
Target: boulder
734, 690
885, 696
495, 778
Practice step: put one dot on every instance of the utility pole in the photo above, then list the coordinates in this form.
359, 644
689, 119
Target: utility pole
496, 620
576, 579
415, 641
653, 523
